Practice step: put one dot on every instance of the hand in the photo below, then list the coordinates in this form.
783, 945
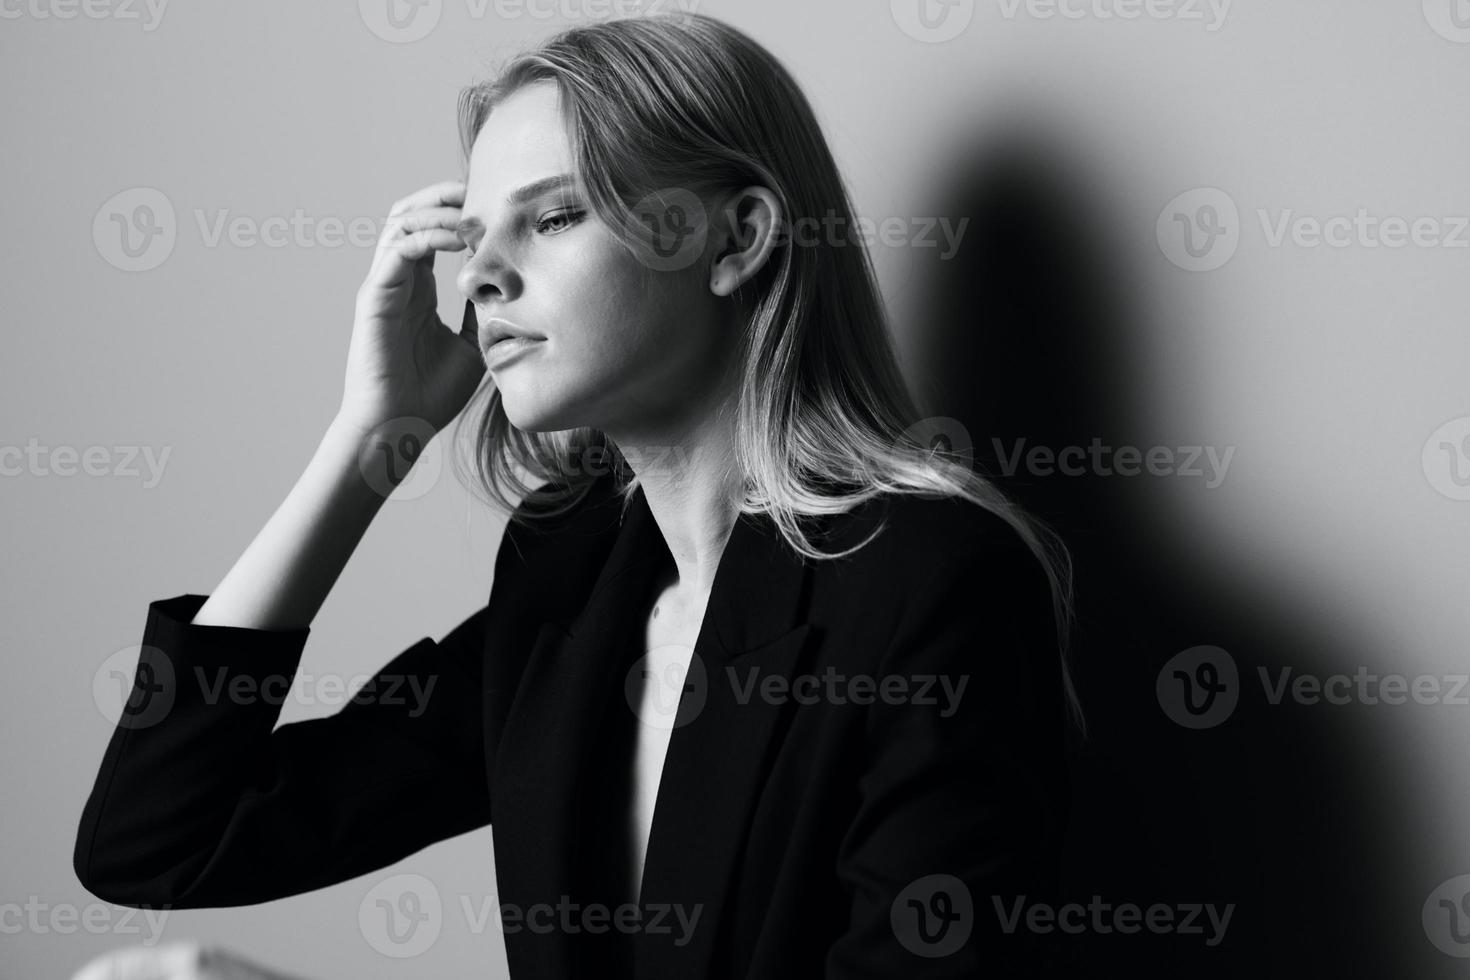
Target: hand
173, 961
403, 360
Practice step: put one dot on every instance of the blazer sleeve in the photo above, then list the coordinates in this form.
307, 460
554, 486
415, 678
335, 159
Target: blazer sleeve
202, 802
959, 818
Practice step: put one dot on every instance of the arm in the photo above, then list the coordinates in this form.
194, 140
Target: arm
284, 576
403, 366
199, 804
198, 801
978, 797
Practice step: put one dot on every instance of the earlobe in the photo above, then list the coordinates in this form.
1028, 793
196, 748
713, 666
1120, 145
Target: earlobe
751, 217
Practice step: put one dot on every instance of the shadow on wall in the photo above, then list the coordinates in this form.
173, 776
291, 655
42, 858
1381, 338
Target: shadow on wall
1289, 811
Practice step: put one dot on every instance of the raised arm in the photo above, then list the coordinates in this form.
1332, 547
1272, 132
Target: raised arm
200, 801
408, 375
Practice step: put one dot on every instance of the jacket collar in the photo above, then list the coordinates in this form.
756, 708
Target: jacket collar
759, 590
715, 766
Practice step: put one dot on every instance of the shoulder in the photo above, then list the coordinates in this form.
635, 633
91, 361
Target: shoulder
558, 534
945, 577
917, 538
947, 589
939, 567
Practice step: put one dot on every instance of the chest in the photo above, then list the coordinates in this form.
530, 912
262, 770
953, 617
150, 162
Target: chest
670, 629
673, 618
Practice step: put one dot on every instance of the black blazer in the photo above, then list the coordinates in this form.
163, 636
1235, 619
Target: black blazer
866, 833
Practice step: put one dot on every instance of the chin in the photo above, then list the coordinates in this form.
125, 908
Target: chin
535, 410
528, 420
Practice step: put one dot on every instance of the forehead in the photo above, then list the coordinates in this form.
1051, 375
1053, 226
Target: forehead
523, 140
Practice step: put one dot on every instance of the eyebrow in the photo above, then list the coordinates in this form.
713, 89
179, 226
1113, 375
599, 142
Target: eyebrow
521, 195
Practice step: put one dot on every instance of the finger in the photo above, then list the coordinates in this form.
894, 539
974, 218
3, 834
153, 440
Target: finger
469, 326
411, 248
412, 221
444, 192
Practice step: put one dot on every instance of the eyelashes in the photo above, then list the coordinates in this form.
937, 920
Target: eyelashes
568, 215
551, 223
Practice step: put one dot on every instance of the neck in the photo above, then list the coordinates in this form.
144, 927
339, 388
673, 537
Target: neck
693, 489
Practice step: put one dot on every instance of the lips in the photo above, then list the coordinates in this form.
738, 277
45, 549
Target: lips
496, 329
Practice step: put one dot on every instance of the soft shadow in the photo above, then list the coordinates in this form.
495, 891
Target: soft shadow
1287, 811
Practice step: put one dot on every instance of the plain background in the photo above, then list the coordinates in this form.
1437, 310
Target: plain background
1329, 369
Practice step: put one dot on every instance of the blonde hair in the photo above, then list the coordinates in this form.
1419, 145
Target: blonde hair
824, 420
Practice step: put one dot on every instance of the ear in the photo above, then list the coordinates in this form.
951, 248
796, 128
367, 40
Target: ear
744, 233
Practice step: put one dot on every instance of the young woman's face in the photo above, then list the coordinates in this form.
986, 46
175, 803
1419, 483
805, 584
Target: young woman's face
616, 343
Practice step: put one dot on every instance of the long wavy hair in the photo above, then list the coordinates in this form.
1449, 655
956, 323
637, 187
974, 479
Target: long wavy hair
824, 420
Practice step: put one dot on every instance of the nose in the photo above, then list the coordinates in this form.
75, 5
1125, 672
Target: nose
487, 277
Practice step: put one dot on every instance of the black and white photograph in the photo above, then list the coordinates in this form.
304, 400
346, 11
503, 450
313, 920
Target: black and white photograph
712, 490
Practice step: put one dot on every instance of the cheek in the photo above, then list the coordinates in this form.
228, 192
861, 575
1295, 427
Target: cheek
620, 335
613, 312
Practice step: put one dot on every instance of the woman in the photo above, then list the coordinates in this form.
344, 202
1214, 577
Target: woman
841, 649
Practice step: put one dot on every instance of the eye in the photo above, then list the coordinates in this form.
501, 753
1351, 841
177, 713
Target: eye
558, 221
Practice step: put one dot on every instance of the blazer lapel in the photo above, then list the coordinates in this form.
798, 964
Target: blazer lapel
544, 756
714, 771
